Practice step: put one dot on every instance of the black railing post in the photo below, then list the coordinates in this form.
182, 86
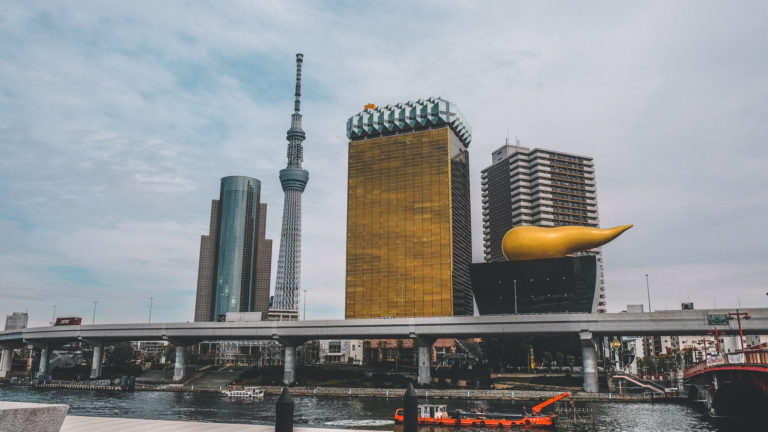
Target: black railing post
284, 412
411, 410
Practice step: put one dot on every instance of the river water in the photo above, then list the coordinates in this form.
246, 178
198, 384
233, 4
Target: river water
345, 412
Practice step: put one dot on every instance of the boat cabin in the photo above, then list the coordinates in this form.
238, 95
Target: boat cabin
433, 411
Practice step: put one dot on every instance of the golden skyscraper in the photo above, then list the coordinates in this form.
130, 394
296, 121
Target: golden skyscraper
408, 212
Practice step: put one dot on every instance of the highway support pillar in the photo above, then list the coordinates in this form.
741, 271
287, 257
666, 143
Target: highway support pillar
424, 352
289, 357
6, 362
44, 361
178, 371
289, 373
98, 359
589, 362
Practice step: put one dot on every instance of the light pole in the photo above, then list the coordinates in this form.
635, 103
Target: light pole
515, 288
53, 318
94, 312
305, 306
648, 289
738, 316
150, 309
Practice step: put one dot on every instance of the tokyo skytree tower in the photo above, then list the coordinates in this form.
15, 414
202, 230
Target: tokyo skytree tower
294, 180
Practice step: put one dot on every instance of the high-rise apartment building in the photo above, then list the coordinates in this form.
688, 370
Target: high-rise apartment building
235, 258
524, 186
408, 212
294, 179
17, 320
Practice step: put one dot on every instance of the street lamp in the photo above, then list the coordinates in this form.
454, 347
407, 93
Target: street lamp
738, 316
150, 309
94, 312
648, 289
53, 318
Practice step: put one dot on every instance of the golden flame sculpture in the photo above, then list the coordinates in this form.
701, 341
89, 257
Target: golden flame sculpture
529, 242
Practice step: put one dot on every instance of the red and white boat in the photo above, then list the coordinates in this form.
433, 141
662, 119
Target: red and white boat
435, 414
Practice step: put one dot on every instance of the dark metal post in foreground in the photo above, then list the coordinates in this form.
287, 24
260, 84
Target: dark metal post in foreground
411, 410
284, 412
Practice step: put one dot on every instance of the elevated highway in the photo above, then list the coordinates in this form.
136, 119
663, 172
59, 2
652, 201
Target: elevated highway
423, 330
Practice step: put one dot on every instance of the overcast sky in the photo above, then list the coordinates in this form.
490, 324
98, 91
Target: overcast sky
117, 120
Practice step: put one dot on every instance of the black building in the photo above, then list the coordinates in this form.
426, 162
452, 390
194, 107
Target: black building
566, 284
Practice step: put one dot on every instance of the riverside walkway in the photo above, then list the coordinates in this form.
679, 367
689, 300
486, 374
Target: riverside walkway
101, 424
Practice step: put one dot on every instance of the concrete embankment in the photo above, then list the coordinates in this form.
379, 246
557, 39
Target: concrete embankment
464, 394
507, 394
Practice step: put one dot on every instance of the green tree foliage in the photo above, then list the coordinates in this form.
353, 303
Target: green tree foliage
122, 354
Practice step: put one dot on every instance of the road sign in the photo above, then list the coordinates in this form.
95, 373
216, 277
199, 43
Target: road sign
615, 344
717, 319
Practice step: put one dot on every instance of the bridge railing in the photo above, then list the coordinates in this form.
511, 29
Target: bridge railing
746, 357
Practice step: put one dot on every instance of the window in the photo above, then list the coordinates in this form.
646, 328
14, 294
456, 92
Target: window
334, 347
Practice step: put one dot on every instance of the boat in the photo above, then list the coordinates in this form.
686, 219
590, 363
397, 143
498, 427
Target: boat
251, 392
435, 414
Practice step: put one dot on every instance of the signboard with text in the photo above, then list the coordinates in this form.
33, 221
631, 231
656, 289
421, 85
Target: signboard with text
717, 319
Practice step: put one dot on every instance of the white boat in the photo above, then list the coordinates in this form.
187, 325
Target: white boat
250, 392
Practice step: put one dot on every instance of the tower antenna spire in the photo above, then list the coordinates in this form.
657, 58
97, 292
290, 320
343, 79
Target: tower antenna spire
297, 103
294, 179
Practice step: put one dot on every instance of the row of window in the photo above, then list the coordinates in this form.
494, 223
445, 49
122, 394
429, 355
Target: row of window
568, 177
567, 170
559, 210
569, 197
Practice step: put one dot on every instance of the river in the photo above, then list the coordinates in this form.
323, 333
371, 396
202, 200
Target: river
343, 412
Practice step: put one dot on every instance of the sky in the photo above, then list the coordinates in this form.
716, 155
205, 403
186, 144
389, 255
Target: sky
118, 119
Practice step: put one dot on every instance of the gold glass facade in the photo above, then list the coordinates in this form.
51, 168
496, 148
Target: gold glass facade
401, 259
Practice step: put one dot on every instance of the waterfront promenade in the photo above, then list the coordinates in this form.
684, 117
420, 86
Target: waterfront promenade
100, 424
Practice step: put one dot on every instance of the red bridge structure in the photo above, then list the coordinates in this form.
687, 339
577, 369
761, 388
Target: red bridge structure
733, 384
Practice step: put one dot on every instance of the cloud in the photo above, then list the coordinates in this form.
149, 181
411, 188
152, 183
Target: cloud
118, 120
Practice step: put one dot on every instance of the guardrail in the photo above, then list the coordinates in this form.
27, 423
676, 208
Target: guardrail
745, 358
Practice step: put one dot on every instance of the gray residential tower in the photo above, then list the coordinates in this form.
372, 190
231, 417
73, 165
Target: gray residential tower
524, 186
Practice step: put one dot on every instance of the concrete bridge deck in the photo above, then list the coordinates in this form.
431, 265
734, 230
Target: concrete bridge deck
688, 322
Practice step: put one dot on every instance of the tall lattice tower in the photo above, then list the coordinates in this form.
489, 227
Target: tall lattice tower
294, 180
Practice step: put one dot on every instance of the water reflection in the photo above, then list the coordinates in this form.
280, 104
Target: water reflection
351, 413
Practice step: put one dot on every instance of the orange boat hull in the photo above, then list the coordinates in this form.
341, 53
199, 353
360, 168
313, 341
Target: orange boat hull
525, 421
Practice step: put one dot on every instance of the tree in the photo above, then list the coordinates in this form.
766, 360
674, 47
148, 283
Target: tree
560, 357
399, 353
122, 354
368, 354
570, 360
546, 358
